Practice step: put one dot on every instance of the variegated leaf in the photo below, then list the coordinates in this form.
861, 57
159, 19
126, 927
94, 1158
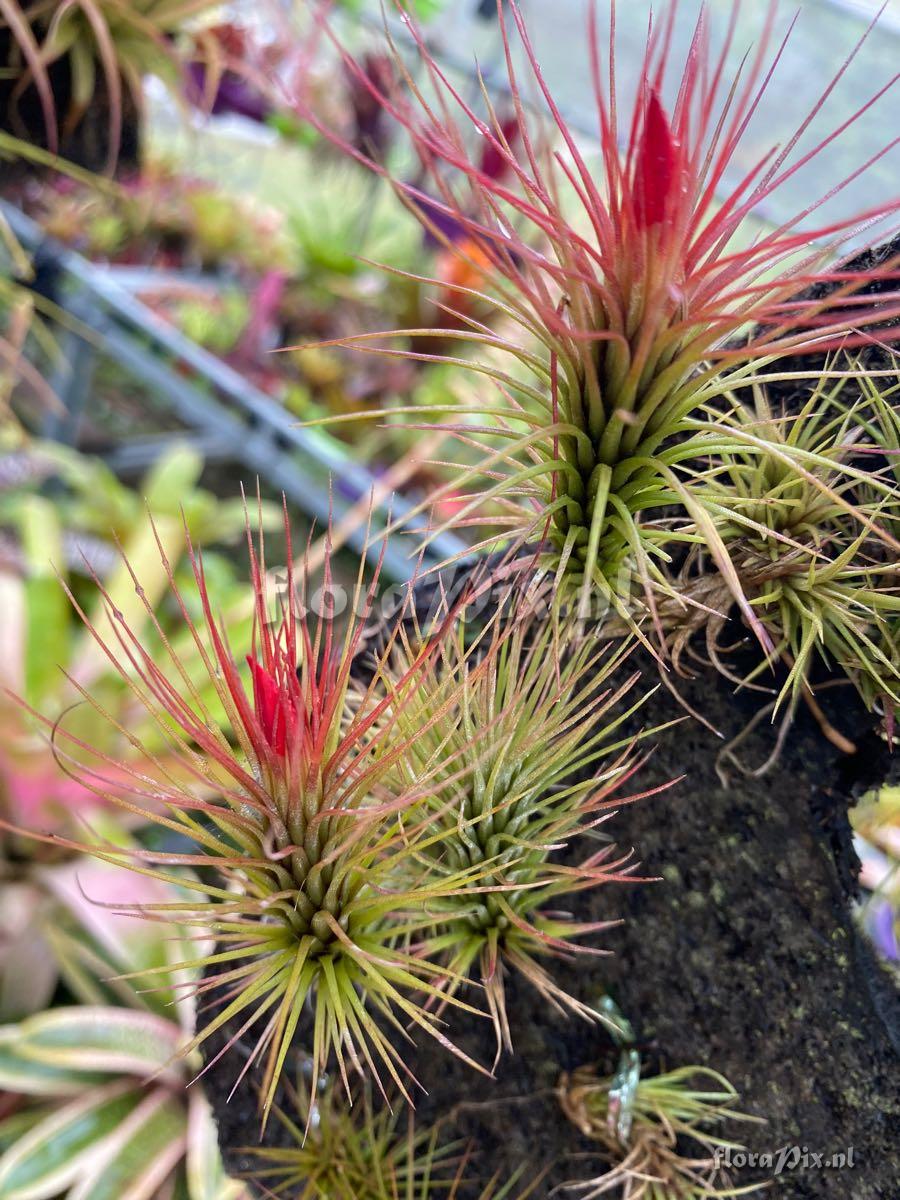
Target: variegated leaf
102, 1039
50, 1157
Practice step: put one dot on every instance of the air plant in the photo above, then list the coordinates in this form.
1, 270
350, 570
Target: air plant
517, 731
879, 489
347, 1152
285, 790
810, 526
357, 1153
630, 299
667, 1112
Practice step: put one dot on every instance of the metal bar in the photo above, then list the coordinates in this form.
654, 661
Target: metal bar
259, 431
142, 452
71, 383
254, 446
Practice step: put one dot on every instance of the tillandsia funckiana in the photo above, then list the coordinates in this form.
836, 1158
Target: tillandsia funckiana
522, 751
356, 1153
636, 301
808, 525
670, 1117
333, 838
283, 791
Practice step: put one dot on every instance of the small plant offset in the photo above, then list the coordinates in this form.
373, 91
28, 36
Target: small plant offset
345, 1152
358, 1154
644, 1124
809, 529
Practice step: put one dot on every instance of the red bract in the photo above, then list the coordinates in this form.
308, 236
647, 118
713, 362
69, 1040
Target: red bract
657, 168
274, 708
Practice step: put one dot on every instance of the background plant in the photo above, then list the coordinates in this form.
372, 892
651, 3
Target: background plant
160, 215
876, 821
117, 42
66, 516
93, 1107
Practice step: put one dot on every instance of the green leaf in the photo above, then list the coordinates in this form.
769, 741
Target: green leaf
48, 611
144, 1150
171, 479
16, 1126
36, 1078
143, 554
83, 70
205, 1176
51, 1156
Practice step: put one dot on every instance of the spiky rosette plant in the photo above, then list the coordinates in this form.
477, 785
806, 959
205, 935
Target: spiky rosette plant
348, 1152
360, 1154
286, 792
807, 508
517, 733
630, 296
671, 1117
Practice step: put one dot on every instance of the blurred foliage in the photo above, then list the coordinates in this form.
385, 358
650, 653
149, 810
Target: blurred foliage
160, 217
94, 1107
97, 40
215, 322
67, 522
91, 1106
876, 822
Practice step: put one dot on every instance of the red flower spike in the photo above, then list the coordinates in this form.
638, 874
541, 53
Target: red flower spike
275, 708
494, 163
657, 168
